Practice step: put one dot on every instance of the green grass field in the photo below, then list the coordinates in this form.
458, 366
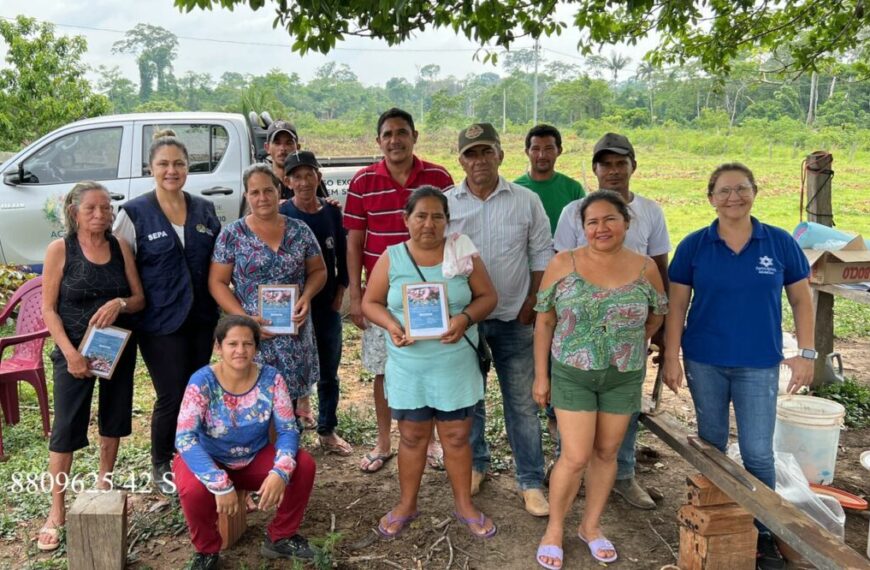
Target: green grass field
673, 168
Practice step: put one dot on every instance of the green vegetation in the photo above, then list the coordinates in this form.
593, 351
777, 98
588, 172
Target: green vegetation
801, 32
43, 85
854, 397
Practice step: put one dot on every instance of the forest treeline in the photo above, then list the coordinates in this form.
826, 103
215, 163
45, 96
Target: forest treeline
607, 91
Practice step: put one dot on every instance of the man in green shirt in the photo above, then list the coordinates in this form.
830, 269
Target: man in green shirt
543, 146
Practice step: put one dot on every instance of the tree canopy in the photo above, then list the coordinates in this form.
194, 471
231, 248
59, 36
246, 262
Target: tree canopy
44, 86
714, 33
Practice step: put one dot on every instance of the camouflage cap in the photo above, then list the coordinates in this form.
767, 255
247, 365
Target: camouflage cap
476, 134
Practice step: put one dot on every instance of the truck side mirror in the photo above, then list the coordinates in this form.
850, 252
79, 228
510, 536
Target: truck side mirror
14, 178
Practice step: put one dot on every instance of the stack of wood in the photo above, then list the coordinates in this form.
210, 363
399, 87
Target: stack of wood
715, 532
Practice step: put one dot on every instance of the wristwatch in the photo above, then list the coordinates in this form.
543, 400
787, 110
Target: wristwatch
808, 353
123, 303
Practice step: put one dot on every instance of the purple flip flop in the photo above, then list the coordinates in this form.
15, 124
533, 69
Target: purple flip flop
550, 551
480, 521
599, 544
391, 520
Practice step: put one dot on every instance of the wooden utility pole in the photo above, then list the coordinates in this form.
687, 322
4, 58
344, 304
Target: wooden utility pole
819, 210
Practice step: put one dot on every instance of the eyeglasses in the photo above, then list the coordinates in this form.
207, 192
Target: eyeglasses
722, 194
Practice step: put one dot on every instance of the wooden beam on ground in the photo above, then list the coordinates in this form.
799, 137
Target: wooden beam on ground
97, 531
817, 545
818, 184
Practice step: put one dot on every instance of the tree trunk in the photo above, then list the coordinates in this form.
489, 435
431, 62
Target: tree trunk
833, 84
814, 96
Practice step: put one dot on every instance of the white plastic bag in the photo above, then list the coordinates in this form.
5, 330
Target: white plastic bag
792, 485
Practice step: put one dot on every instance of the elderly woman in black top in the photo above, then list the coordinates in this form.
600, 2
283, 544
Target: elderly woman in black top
89, 278
172, 234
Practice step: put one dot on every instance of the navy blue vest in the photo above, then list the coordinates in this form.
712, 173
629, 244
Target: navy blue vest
175, 278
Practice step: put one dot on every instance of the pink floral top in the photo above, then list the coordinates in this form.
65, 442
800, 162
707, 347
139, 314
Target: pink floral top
219, 430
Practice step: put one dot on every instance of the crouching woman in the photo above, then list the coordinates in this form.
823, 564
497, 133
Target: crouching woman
223, 445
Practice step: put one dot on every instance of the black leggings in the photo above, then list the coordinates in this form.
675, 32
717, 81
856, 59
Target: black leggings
171, 360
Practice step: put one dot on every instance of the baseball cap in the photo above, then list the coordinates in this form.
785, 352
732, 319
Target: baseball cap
612, 142
478, 133
281, 126
300, 158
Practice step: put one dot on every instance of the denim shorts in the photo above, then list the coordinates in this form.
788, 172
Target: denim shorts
426, 413
608, 390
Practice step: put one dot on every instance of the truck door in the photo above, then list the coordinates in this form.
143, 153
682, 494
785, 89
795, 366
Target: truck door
31, 208
215, 161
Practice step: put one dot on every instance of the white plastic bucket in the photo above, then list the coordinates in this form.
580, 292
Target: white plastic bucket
809, 428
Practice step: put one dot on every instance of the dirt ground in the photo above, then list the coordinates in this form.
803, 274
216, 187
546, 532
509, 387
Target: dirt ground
350, 502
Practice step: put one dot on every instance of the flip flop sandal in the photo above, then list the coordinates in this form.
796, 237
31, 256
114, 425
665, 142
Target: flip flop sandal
307, 419
480, 521
343, 449
373, 458
550, 551
391, 520
52, 532
600, 543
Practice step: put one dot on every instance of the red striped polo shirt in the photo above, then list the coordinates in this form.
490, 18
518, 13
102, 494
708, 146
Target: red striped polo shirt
375, 203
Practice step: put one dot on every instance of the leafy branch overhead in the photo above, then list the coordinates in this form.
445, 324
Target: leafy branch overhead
713, 32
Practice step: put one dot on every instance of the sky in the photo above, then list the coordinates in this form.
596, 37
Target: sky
244, 41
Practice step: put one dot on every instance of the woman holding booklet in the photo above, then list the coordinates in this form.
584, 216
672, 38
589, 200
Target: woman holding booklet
89, 280
273, 262
429, 308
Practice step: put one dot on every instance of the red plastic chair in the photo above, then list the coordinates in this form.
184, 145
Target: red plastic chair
25, 363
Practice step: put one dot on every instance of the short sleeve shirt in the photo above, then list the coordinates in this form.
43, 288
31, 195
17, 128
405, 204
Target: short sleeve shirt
647, 234
555, 193
375, 203
735, 317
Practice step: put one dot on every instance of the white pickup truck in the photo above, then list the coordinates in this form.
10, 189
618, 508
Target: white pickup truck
113, 150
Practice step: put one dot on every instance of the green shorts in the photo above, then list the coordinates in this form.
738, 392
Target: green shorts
607, 390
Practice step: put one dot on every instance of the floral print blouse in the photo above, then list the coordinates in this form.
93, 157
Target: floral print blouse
597, 328
255, 263
219, 430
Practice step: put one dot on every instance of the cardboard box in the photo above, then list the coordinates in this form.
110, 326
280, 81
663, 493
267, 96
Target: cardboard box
848, 265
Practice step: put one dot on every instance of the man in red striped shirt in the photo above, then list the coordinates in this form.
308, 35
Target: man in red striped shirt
373, 218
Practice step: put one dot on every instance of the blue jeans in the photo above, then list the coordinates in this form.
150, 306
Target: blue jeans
327, 334
511, 345
753, 392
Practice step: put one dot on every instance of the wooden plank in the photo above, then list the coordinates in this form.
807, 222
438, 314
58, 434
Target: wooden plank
813, 542
97, 531
232, 528
851, 294
720, 519
702, 493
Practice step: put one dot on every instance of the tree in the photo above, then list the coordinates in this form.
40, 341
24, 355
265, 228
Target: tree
44, 85
712, 32
155, 48
616, 63
120, 90
522, 60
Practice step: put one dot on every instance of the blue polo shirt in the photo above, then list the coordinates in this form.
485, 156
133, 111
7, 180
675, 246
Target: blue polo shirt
735, 317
